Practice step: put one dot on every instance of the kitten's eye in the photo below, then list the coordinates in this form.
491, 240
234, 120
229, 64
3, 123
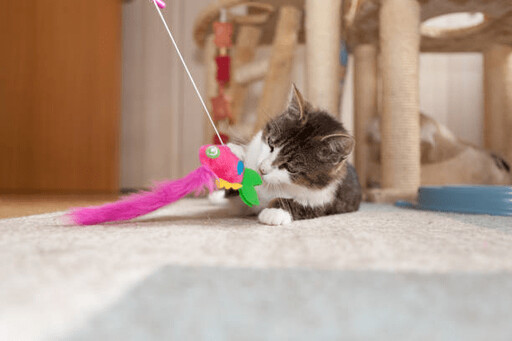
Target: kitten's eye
270, 144
290, 168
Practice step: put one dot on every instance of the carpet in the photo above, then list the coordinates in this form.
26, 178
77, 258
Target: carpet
193, 271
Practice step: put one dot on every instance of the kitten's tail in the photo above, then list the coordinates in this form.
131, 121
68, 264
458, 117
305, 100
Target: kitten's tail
139, 204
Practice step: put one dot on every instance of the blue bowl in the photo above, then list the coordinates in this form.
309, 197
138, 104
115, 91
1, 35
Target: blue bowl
492, 200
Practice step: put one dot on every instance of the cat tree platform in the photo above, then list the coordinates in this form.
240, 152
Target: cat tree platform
392, 31
386, 38
362, 20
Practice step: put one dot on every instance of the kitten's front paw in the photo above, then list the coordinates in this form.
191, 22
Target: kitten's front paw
275, 216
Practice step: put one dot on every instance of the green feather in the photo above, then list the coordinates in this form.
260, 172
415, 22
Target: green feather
248, 192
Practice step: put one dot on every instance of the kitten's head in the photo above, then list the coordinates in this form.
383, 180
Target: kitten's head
303, 146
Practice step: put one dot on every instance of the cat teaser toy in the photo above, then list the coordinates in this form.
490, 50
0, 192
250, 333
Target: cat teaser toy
219, 168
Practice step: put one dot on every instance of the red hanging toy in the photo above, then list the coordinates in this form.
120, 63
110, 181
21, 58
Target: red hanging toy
221, 105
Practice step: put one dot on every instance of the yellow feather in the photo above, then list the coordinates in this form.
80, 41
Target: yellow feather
227, 185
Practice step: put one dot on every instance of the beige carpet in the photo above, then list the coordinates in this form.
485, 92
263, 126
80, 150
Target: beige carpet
190, 271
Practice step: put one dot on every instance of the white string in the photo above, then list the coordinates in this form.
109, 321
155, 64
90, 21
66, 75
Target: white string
188, 72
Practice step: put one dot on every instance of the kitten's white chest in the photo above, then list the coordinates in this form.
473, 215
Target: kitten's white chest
256, 151
266, 195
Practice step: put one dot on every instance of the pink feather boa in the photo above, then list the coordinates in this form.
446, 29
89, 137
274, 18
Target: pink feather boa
142, 203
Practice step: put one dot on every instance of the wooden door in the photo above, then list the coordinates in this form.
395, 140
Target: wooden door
59, 95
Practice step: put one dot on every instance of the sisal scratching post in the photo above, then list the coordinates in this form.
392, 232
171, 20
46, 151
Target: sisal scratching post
365, 103
210, 51
278, 78
400, 128
323, 37
498, 100
245, 48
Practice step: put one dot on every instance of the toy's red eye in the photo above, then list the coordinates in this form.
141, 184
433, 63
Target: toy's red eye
212, 152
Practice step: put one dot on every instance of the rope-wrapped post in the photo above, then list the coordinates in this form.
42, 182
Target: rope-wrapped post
323, 41
210, 51
498, 100
245, 48
365, 103
277, 80
400, 127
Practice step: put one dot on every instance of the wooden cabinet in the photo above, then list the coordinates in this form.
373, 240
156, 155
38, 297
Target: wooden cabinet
60, 70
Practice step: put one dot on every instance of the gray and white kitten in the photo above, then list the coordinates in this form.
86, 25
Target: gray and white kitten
301, 156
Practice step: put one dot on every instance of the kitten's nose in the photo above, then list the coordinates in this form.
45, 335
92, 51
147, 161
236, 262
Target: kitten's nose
264, 167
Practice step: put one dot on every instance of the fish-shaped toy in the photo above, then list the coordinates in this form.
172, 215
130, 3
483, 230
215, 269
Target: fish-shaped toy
219, 166
231, 172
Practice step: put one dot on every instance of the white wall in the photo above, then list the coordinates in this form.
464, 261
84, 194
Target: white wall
451, 91
161, 127
149, 134
162, 119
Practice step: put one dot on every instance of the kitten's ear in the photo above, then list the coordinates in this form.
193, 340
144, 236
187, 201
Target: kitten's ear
297, 105
337, 147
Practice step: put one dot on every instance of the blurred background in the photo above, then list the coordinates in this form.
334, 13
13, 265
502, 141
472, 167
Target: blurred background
93, 98
95, 103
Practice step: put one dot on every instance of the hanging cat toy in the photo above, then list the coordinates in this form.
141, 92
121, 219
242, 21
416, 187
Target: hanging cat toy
219, 168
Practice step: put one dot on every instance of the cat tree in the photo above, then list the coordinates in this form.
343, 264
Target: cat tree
282, 25
386, 37
391, 30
